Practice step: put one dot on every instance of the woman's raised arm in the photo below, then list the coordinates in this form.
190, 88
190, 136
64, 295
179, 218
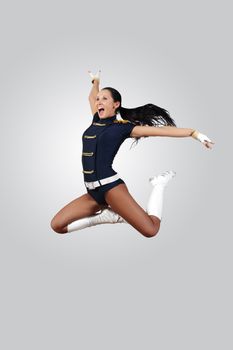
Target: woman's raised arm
94, 90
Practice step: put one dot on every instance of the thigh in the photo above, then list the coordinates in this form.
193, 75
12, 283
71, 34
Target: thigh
79, 208
124, 204
99, 192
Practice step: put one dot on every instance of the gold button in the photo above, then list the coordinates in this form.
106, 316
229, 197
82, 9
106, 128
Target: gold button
88, 154
89, 136
88, 171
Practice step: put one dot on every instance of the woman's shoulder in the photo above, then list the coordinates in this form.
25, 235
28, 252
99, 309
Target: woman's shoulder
122, 121
124, 127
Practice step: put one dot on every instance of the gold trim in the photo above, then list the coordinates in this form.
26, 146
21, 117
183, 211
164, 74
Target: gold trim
89, 136
99, 124
121, 121
88, 153
194, 134
88, 171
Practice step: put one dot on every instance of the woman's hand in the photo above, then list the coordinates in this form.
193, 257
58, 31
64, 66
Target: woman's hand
208, 144
94, 77
202, 138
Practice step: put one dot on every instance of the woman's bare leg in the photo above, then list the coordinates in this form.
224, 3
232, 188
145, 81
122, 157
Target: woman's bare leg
80, 207
124, 204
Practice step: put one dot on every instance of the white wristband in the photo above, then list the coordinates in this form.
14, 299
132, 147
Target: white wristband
200, 137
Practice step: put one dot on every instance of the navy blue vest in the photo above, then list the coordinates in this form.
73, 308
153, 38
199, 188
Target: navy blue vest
101, 142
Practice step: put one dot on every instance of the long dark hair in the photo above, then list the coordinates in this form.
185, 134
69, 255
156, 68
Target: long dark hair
148, 114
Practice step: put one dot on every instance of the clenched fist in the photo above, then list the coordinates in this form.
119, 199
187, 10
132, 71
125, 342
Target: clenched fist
94, 77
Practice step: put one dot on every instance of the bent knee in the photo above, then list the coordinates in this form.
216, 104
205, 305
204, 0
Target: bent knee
152, 231
150, 234
57, 228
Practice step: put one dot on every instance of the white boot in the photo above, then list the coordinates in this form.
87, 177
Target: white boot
107, 216
155, 203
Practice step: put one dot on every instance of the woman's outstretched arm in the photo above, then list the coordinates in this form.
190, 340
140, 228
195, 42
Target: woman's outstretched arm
170, 131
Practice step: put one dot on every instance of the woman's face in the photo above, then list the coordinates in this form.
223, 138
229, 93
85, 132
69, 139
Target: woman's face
105, 104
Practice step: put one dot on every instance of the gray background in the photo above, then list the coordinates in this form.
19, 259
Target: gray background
108, 287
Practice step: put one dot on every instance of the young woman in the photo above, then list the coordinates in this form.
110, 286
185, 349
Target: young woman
107, 193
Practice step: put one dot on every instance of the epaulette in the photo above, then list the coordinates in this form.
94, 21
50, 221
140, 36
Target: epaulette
123, 121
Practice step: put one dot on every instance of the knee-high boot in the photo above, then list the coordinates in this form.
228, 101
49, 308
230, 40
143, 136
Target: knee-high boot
155, 202
107, 216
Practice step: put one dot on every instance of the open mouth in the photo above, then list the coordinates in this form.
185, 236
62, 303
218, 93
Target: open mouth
101, 111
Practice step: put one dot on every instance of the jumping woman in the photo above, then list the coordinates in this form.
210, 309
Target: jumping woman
107, 199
